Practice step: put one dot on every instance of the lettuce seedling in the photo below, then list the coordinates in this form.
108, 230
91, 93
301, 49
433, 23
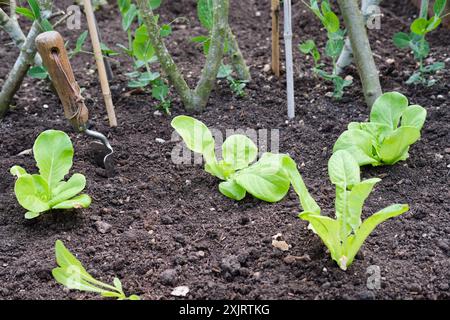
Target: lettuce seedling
71, 274
344, 235
53, 152
265, 179
333, 49
416, 42
393, 128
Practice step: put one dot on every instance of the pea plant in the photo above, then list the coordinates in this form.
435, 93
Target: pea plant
206, 17
420, 47
385, 139
344, 235
38, 193
333, 49
71, 274
265, 179
142, 53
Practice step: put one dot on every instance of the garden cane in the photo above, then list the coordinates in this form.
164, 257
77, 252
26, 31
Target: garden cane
54, 56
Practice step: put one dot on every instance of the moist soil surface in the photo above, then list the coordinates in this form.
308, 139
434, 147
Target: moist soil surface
167, 225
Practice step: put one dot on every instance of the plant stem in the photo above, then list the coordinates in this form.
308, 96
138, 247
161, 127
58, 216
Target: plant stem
346, 56
424, 9
237, 59
23, 62
361, 48
193, 100
12, 28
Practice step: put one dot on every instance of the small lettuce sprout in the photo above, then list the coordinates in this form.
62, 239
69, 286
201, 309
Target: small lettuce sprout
53, 152
393, 128
344, 235
71, 274
265, 179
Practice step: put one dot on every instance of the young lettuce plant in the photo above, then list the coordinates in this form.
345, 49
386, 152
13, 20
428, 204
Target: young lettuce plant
344, 235
265, 179
71, 274
333, 49
38, 193
140, 50
416, 42
393, 128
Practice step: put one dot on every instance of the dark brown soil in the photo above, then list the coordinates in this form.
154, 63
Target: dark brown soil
165, 216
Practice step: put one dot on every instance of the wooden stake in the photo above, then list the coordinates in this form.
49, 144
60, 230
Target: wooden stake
276, 37
100, 63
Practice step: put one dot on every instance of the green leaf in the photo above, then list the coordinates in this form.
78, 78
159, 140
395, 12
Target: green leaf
67, 190
31, 215
439, 7
53, 152
225, 70
343, 169
81, 201
27, 13
160, 91
432, 68
306, 200
37, 72
17, 171
34, 5
388, 108
419, 26
63, 256
369, 225
205, 13
401, 40
200, 39
433, 23
118, 284
239, 151
142, 48
232, 190
395, 147
331, 22
165, 30
154, 4
196, 135
124, 5
80, 42
46, 25
328, 231
356, 198
266, 179
148, 76
129, 17
359, 143
414, 116
32, 193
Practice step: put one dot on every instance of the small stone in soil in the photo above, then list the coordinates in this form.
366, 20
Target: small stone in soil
180, 291
168, 277
102, 226
231, 265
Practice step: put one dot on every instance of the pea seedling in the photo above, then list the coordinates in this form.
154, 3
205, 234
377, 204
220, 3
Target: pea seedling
265, 179
393, 128
71, 274
416, 42
205, 16
344, 235
41, 192
333, 49
142, 53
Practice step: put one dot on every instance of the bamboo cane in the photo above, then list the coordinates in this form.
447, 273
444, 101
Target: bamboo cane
276, 37
100, 63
